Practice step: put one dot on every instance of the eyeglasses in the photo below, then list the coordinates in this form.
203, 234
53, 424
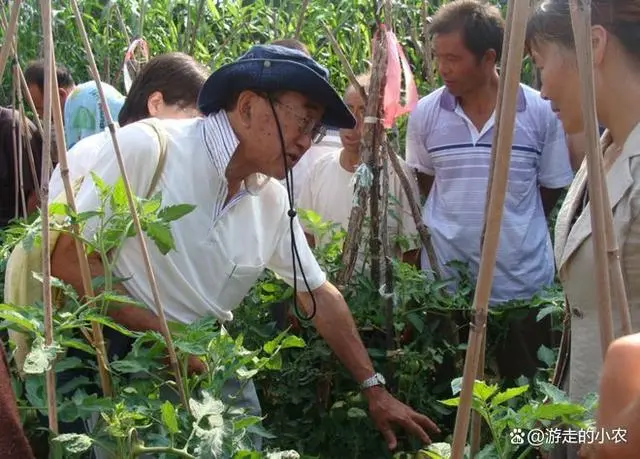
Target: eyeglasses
307, 126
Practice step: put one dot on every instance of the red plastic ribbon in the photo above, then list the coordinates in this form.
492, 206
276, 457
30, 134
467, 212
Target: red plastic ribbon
397, 67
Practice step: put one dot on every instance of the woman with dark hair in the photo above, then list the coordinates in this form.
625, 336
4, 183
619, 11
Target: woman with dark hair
616, 60
167, 87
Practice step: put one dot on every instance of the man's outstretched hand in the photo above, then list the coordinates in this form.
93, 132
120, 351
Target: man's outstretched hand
386, 411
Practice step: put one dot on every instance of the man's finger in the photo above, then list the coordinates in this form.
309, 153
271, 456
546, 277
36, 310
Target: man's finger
425, 422
389, 436
415, 429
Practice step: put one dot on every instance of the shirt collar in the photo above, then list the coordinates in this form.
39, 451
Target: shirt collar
221, 143
449, 102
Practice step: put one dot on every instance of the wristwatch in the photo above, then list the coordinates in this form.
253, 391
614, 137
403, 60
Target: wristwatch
375, 380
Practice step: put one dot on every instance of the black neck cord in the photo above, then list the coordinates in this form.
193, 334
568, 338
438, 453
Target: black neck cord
295, 256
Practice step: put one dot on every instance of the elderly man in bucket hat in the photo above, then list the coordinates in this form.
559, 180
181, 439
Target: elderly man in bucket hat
262, 113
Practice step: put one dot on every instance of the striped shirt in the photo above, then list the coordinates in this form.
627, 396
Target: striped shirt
443, 142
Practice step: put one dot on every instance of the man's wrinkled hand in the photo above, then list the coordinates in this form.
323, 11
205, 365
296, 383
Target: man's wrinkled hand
386, 411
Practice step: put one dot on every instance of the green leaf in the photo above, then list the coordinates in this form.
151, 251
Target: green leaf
355, 413
292, 341
416, 321
101, 186
40, 358
57, 208
245, 422
456, 386
508, 394
546, 355
544, 312
74, 443
161, 235
483, 391
171, 213
118, 196
451, 401
169, 418
19, 321
555, 395
437, 451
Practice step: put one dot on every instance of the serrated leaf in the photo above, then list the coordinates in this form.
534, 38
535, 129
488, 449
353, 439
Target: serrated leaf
101, 186
556, 395
244, 374
508, 394
544, 312
74, 443
169, 418
483, 391
40, 358
161, 235
171, 213
118, 196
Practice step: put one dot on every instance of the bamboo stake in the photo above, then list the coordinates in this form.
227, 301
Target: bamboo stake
132, 208
196, 26
476, 419
423, 231
45, 6
370, 143
387, 253
20, 134
14, 143
23, 82
502, 143
25, 125
97, 340
345, 63
427, 64
303, 10
581, 24
9, 36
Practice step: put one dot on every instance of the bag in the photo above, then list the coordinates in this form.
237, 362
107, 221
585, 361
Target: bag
21, 287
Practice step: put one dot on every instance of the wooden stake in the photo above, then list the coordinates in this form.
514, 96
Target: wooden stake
7, 44
503, 137
581, 23
45, 6
423, 231
25, 126
345, 63
370, 144
23, 82
303, 10
132, 208
85, 272
476, 419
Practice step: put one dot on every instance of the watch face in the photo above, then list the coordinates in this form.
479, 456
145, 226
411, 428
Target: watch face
381, 378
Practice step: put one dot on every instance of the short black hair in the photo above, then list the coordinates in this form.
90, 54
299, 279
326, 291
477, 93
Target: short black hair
177, 76
34, 74
480, 23
292, 43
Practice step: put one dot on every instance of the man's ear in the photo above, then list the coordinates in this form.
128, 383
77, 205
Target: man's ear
490, 57
599, 41
63, 93
155, 101
244, 106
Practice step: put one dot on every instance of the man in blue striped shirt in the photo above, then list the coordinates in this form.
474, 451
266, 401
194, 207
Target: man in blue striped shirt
449, 139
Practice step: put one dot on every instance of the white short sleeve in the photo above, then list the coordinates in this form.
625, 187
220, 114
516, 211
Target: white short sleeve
418, 156
140, 148
281, 261
555, 166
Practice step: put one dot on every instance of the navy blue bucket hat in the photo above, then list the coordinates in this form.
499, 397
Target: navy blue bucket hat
275, 68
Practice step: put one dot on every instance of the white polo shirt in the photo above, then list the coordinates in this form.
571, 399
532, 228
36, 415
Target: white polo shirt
443, 142
329, 192
220, 250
